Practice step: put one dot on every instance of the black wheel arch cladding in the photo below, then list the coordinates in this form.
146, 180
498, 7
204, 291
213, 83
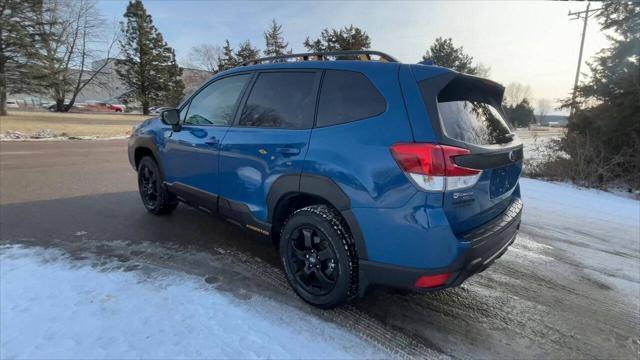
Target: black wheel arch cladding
321, 187
144, 145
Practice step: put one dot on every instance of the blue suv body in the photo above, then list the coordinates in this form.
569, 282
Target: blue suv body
362, 172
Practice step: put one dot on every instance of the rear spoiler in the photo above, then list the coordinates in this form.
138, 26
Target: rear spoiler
491, 91
442, 78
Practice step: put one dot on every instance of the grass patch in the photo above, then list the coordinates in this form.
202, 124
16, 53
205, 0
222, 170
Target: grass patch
71, 124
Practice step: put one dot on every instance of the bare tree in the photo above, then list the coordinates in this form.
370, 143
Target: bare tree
483, 70
204, 57
89, 37
515, 93
544, 108
71, 37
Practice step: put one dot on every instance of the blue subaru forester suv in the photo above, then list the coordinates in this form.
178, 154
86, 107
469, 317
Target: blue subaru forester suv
362, 170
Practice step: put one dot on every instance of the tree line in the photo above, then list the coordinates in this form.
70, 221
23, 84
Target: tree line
52, 47
602, 144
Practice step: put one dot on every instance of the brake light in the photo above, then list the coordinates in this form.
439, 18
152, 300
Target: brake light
432, 167
431, 281
425, 159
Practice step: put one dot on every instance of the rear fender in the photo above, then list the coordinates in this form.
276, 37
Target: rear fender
321, 187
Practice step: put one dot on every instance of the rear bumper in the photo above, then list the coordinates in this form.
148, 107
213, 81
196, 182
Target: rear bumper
486, 244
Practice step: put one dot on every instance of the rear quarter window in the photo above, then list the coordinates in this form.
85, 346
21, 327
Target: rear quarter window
348, 96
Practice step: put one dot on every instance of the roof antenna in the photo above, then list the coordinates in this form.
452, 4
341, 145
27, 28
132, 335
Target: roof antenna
426, 62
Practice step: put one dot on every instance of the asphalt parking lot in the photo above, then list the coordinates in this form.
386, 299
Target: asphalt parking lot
537, 301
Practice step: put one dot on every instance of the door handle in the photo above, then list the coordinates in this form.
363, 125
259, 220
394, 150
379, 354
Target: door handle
288, 151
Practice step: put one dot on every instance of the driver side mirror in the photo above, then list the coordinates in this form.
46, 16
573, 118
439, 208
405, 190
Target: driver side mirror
171, 117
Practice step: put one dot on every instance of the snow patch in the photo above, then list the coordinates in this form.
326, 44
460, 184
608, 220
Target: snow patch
52, 308
597, 229
50, 135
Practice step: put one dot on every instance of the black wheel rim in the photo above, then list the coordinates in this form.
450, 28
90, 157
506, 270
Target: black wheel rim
312, 260
148, 184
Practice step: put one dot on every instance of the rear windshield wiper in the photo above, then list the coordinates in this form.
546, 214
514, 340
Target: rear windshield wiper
506, 138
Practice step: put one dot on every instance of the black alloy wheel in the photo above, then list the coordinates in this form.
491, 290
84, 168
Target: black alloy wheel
155, 197
319, 256
313, 260
148, 185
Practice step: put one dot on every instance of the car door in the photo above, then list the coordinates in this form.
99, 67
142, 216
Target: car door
270, 139
191, 155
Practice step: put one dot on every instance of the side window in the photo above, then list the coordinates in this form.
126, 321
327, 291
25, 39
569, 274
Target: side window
183, 112
214, 105
347, 96
281, 100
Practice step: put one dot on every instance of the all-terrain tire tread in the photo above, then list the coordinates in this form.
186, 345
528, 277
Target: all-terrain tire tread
167, 202
338, 224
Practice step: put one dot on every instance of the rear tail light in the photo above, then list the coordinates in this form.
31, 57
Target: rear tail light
432, 168
431, 281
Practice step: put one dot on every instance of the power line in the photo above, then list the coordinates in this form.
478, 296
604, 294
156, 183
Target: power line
577, 16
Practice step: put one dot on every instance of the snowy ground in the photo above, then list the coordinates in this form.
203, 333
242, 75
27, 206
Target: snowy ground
597, 229
50, 135
569, 287
536, 143
54, 308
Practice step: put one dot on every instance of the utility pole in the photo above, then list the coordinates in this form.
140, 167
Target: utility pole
580, 15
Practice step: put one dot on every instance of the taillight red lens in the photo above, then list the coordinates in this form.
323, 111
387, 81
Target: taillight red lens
430, 159
431, 281
415, 158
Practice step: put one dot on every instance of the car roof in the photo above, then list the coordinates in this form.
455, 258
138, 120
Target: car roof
353, 65
315, 64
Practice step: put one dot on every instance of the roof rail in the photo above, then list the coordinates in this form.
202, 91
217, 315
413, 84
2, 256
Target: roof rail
363, 55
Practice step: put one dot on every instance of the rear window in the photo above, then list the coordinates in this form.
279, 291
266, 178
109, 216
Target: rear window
347, 96
469, 111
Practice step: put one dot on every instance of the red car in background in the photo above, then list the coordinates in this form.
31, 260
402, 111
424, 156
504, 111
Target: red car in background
106, 107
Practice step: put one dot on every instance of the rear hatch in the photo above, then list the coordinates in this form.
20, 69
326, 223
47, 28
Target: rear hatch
466, 113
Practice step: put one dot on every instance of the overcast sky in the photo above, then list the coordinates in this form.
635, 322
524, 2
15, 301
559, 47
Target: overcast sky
528, 42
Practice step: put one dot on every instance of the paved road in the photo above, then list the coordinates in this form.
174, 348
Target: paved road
81, 197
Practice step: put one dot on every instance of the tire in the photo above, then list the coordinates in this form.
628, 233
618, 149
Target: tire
155, 197
319, 256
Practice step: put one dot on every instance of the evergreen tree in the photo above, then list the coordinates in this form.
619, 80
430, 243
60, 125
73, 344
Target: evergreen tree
246, 52
173, 85
17, 32
607, 105
274, 42
347, 38
228, 59
444, 53
149, 66
521, 114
